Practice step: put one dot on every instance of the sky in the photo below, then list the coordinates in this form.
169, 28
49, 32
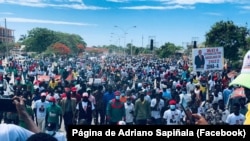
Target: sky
119, 22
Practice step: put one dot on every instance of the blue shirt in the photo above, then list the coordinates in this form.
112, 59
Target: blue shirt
107, 97
226, 94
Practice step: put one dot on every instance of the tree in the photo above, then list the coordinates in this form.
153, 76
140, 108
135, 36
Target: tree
80, 48
61, 49
40, 39
228, 35
22, 38
167, 50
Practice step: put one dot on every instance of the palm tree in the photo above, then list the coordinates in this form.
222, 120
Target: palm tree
22, 38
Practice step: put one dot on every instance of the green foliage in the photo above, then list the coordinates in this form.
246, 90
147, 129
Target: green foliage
228, 35
40, 39
167, 50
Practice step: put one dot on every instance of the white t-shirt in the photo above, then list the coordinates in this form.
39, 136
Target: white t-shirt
58, 135
232, 119
156, 113
41, 108
219, 97
185, 99
128, 109
225, 115
172, 117
190, 87
11, 132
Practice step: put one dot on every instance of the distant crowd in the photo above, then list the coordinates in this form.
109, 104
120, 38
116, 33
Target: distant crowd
118, 90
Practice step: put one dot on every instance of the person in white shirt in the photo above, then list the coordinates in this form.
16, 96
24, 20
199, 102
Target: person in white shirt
217, 96
11, 132
235, 118
173, 115
185, 98
190, 86
211, 84
129, 111
225, 112
53, 94
40, 111
51, 130
156, 105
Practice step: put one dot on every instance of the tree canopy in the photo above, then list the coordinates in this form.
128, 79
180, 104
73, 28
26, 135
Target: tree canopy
230, 36
41, 39
167, 50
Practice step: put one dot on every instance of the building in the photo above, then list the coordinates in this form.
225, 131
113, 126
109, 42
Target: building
6, 35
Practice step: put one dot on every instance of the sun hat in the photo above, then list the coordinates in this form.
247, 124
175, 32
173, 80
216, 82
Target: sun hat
243, 78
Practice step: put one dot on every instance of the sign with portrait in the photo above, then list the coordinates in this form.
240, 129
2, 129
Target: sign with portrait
205, 59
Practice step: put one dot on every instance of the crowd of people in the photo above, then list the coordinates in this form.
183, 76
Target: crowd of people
115, 90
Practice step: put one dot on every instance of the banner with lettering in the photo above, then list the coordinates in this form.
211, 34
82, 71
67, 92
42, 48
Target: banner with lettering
205, 59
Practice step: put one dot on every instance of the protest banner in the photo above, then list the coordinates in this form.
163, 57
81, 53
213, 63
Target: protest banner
206, 59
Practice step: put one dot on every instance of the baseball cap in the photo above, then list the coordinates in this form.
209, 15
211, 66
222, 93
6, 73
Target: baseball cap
43, 94
52, 99
172, 102
85, 94
117, 93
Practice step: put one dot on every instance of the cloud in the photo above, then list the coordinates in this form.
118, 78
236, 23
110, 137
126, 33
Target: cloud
192, 2
158, 7
6, 13
213, 14
73, 4
24, 20
246, 7
117, 1
133, 4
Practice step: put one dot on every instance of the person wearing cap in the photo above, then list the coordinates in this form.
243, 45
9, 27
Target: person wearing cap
75, 94
54, 114
142, 110
40, 107
51, 93
18, 86
123, 97
68, 105
84, 109
172, 116
115, 110
90, 96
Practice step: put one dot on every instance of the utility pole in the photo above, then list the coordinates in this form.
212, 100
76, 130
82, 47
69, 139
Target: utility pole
142, 41
5, 37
